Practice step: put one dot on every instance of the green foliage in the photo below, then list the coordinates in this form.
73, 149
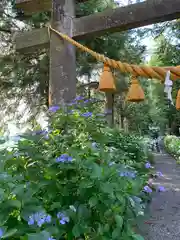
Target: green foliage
95, 191
172, 145
166, 53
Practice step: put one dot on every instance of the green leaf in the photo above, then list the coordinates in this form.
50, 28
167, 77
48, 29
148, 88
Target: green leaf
97, 171
107, 188
137, 237
39, 236
93, 201
9, 233
19, 189
13, 203
115, 233
77, 230
119, 220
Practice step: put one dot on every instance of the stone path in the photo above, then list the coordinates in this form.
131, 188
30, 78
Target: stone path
163, 222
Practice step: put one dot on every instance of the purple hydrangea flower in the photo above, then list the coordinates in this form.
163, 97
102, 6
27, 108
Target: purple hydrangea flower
87, 101
78, 98
87, 114
51, 238
54, 108
39, 218
63, 219
64, 158
161, 189
159, 174
1, 232
148, 165
147, 189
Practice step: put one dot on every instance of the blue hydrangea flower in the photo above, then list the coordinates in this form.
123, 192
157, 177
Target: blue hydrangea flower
161, 189
54, 108
48, 219
51, 238
39, 218
87, 114
128, 174
31, 220
64, 158
63, 219
1, 232
147, 189
148, 165
87, 101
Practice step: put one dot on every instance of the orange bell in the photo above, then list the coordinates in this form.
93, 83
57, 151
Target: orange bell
178, 100
135, 93
106, 83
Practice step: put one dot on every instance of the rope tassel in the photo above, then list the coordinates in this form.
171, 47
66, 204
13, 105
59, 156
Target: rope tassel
178, 100
136, 93
107, 83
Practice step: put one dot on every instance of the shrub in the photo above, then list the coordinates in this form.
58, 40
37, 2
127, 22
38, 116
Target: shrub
78, 180
172, 145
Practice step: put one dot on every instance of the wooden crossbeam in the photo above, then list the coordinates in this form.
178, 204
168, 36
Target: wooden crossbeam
31, 40
119, 19
128, 17
33, 6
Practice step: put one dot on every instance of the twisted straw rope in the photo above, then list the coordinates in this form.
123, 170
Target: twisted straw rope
144, 71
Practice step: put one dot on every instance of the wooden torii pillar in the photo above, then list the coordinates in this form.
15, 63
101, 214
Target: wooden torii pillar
62, 83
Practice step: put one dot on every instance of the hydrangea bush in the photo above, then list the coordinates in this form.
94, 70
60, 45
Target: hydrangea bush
77, 180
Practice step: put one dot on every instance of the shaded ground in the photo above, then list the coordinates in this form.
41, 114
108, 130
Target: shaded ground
163, 221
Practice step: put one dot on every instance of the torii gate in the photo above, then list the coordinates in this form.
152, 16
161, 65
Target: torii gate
62, 83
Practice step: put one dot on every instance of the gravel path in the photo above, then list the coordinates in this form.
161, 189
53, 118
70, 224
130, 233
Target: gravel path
163, 222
